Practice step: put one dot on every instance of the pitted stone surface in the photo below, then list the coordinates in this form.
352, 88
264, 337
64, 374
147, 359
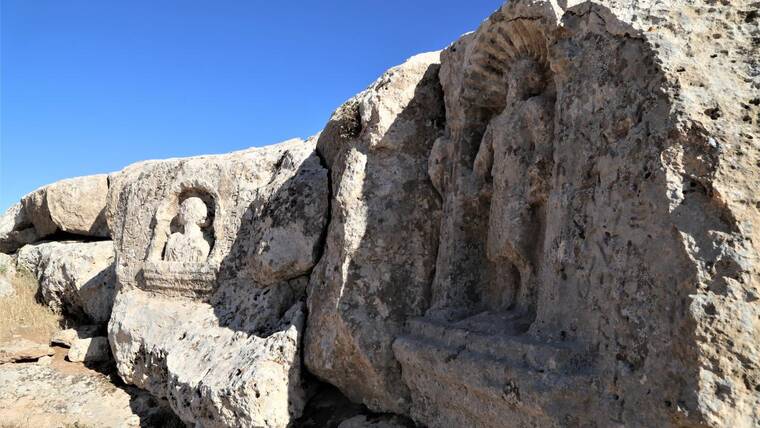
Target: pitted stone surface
552, 222
76, 278
211, 256
75, 205
380, 251
189, 245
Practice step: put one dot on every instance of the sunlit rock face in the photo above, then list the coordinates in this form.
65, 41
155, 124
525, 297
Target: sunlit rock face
74, 207
379, 255
76, 279
212, 259
596, 255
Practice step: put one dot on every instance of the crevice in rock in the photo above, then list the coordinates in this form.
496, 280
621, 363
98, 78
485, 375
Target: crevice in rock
61, 236
320, 248
329, 408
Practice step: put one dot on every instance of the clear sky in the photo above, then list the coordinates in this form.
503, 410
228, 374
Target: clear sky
90, 86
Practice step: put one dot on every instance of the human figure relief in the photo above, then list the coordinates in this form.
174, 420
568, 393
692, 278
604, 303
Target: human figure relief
189, 246
516, 152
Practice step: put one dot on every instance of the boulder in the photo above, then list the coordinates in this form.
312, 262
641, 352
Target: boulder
381, 243
75, 205
89, 350
46, 360
19, 349
68, 336
76, 278
213, 255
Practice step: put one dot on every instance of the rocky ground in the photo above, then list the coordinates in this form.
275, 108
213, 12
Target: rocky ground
54, 392
56, 377
57, 372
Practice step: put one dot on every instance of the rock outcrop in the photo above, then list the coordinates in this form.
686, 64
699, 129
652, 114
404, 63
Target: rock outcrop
7, 271
20, 349
76, 278
552, 222
89, 350
381, 244
597, 222
76, 205
212, 260
37, 395
16, 230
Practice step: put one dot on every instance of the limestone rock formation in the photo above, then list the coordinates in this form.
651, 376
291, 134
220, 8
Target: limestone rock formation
89, 350
598, 259
553, 222
212, 257
75, 278
76, 205
68, 336
381, 244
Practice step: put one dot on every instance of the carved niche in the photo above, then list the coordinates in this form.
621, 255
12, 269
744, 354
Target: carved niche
183, 258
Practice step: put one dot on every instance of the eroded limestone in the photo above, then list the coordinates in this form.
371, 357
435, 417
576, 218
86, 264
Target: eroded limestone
211, 257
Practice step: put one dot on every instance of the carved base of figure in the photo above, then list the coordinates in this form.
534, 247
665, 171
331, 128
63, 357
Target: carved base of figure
179, 278
467, 376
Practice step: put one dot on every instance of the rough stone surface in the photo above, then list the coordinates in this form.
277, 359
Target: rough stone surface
363, 421
67, 337
216, 332
552, 223
35, 395
16, 230
75, 205
76, 278
598, 253
381, 243
89, 350
19, 349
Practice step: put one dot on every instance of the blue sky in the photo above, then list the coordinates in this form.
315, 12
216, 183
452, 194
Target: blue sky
90, 86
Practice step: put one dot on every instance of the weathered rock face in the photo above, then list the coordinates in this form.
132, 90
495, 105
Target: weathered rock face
76, 278
16, 230
20, 349
551, 223
89, 350
381, 244
67, 337
597, 260
76, 205
212, 259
